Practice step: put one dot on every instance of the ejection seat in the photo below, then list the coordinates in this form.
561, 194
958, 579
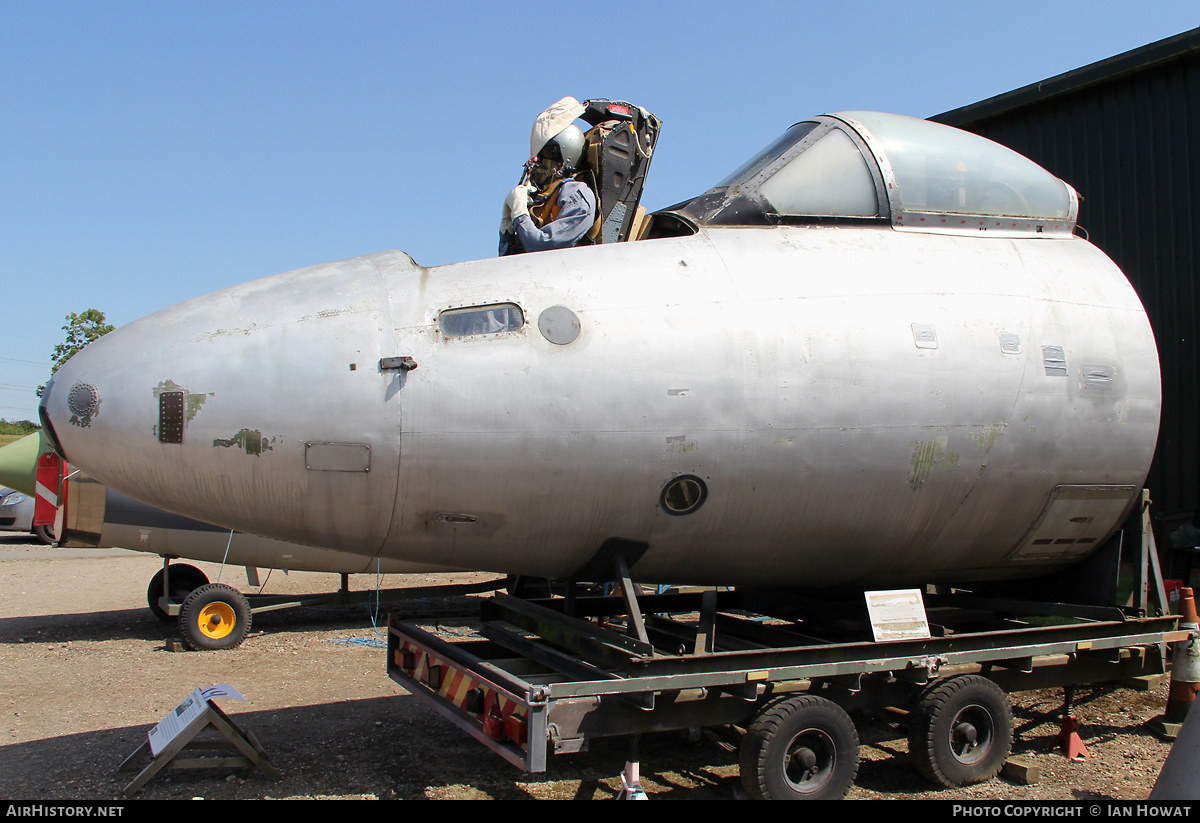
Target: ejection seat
620, 146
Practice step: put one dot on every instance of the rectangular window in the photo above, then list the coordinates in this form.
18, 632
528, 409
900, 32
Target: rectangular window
479, 320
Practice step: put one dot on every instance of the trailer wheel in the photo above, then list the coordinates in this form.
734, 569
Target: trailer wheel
961, 731
800, 748
214, 617
185, 579
44, 534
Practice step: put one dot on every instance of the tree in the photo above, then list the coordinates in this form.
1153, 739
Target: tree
81, 329
18, 427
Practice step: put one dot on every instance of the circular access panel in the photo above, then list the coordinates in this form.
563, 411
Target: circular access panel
683, 495
559, 325
83, 399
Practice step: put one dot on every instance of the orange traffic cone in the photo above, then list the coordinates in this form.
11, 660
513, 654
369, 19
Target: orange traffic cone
1185, 670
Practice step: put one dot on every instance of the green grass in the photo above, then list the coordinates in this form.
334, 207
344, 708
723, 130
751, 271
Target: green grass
5, 439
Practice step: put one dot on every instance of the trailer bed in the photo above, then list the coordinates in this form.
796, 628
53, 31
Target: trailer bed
533, 676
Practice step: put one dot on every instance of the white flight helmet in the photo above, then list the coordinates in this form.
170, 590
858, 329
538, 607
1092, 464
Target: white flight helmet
566, 146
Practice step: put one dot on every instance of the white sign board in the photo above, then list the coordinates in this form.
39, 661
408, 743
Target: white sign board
185, 714
897, 615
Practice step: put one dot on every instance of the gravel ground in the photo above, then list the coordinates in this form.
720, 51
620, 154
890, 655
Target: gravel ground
85, 672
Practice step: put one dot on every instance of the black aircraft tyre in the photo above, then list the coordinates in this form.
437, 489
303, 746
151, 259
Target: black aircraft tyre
800, 748
961, 731
185, 579
214, 617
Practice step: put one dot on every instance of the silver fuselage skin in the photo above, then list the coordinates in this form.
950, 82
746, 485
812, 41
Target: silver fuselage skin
866, 406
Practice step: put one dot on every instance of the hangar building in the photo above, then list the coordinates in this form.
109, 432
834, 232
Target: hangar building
1125, 132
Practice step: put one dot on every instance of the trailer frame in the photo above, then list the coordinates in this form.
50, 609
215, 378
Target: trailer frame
530, 676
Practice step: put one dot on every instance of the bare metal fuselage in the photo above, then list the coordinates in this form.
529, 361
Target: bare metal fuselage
867, 407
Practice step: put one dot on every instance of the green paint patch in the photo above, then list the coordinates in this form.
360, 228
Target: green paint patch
927, 456
987, 438
250, 440
679, 445
193, 402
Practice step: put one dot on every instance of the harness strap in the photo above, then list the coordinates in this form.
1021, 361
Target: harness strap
547, 211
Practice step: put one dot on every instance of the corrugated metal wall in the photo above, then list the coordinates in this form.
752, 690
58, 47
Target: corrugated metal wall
1126, 134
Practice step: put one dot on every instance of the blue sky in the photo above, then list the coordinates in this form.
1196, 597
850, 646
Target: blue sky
151, 152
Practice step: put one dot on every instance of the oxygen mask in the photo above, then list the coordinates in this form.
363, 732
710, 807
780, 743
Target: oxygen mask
542, 172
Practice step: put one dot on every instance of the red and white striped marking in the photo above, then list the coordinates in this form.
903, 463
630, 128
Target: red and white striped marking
46, 486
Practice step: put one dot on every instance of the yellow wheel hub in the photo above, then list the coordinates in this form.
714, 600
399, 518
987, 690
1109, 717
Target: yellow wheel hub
217, 620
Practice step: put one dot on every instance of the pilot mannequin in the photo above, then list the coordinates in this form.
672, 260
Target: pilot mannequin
554, 210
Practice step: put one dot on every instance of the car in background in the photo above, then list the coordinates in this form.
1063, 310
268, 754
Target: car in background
16, 515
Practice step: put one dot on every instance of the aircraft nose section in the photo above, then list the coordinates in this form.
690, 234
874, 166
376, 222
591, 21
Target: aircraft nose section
261, 408
72, 401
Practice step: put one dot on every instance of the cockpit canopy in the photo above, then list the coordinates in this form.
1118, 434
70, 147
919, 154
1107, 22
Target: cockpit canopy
862, 166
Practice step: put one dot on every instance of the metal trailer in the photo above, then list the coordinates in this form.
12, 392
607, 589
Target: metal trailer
533, 676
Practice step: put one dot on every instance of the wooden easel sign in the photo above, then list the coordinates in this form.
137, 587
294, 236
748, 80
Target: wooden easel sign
175, 735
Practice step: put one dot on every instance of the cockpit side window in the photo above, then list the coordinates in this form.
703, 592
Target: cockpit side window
829, 178
481, 320
817, 171
941, 170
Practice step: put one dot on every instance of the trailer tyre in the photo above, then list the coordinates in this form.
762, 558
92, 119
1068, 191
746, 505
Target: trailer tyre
185, 579
214, 617
800, 748
961, 731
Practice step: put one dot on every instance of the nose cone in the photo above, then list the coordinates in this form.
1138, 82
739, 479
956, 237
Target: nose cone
260, 408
